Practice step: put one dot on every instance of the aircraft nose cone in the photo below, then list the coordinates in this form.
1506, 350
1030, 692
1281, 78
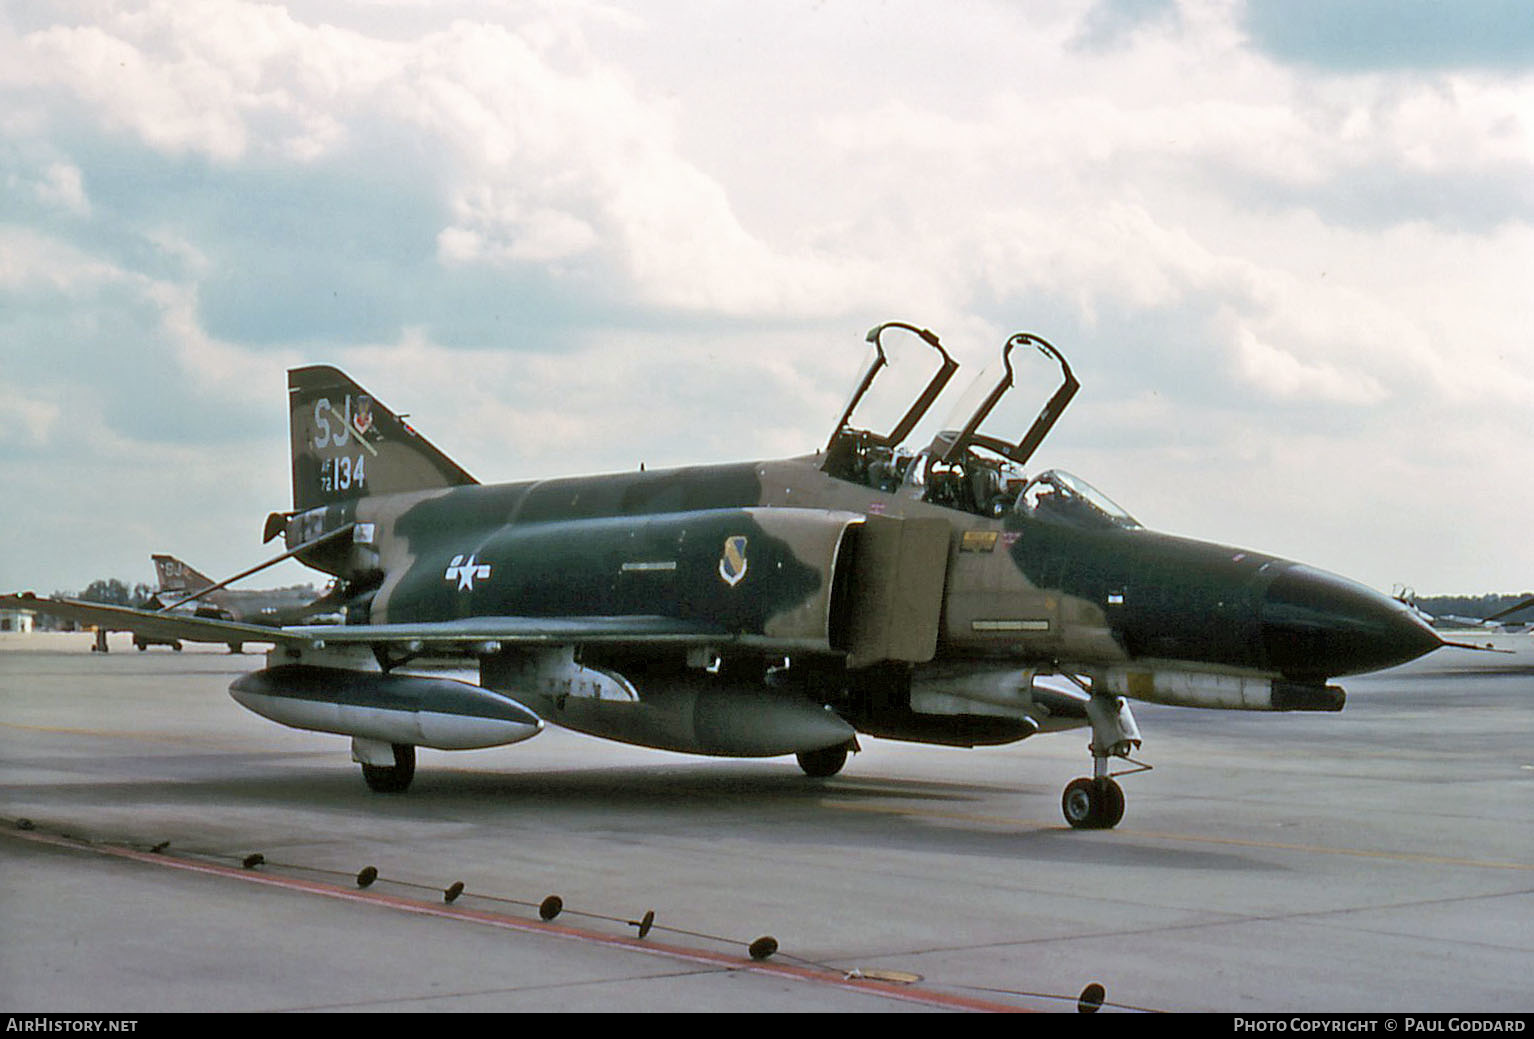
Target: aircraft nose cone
1319, 625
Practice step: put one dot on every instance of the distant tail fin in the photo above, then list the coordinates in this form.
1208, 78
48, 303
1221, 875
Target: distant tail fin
346, 445
176, 577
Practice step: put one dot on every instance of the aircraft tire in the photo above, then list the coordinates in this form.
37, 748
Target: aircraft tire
1112, 805
1093, 804
395, 778
823, 763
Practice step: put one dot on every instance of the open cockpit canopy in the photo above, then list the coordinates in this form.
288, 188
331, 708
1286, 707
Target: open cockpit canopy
907, 369
973, 464
983, 418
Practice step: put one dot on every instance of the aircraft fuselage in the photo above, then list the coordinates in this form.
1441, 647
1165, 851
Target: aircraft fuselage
1014, 588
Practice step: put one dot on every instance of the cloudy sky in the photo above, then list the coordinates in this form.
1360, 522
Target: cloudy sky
1287, 245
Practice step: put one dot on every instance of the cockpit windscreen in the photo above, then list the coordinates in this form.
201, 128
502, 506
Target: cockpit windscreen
1058, 497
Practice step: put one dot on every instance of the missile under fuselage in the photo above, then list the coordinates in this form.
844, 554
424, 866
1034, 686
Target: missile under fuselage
441, 713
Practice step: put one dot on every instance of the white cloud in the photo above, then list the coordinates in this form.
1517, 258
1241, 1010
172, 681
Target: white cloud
26, 421
1280, 373
31, 262
691, 202
63, 186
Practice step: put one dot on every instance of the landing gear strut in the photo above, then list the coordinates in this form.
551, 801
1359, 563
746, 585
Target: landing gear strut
1097, 803
395, 778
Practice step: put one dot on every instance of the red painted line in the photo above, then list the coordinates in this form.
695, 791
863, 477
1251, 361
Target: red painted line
702, 957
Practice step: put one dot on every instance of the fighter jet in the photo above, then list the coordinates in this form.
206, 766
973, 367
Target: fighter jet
181, 583
941, 594
1499, 621
183, 588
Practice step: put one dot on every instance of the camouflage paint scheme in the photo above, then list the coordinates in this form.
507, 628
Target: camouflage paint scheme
1016, 587
785, 606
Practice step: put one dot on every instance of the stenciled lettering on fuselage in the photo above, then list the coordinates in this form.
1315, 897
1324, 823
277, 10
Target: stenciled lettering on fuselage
733, 563
340, 430
466, 571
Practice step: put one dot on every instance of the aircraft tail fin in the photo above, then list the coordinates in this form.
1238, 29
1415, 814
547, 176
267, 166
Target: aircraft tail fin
346, 445
176, 577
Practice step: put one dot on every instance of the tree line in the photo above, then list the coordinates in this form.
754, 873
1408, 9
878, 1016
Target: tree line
1477, 606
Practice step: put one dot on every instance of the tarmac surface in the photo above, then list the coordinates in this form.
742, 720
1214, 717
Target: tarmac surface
1380, 860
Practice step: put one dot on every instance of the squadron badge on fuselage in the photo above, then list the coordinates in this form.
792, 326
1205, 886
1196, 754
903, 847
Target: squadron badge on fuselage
732, 564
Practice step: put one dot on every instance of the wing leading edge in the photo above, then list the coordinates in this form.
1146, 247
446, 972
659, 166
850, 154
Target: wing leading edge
636, 631
472, 633
152, 623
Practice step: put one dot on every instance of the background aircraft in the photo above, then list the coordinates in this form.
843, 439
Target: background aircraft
1498, 621
183, 590
183, 587
941, 595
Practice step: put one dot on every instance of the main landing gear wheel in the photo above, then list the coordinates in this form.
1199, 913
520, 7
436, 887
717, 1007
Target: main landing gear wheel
823, 763
1093, 804
395, 778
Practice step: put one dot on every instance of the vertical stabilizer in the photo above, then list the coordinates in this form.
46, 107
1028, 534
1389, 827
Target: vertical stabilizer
176, 577
346, 445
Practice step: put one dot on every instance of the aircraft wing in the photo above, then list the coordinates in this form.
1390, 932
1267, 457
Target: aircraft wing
523, 631
508, 631
153, 623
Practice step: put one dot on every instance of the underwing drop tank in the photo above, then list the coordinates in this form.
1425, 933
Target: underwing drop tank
414, 710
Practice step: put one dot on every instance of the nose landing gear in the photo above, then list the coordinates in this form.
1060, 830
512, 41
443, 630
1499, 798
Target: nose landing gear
1097, 803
